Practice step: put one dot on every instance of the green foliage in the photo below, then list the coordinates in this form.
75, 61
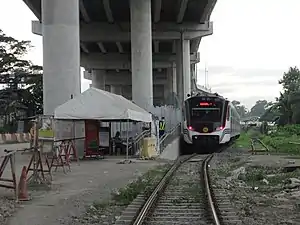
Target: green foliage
259, 108
256, 111
144, 184
243, 141
23, 84
241, 109
284, 139
287, 105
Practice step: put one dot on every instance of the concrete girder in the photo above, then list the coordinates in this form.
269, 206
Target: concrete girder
120, 47
36, 12
208, 10
157, 10
108, 12
124, 78
97, 32
195, 44
181, 11
96, 57
83, 12
84, 48
101, 47
121, 65
87, 74
126, 81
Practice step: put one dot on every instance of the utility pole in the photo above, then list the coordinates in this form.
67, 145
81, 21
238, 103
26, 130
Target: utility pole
206, 76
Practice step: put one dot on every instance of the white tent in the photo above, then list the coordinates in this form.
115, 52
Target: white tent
97, 104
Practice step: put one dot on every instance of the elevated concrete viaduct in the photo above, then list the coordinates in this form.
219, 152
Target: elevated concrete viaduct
141, 39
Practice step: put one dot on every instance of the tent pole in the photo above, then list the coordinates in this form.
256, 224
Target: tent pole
127, 140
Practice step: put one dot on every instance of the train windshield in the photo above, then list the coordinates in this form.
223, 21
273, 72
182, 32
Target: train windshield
209, 110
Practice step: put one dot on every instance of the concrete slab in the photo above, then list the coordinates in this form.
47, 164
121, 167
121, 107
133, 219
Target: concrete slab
171, 152
90, 181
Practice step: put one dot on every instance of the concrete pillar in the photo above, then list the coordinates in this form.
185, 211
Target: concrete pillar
186, 68
98, 79
183, 70
193, 77
174, 85
141, 52
179, 72
61, 52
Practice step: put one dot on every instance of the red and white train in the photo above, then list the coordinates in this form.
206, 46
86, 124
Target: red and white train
209, 121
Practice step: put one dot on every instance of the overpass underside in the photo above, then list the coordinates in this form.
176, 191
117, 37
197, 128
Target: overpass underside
145, 50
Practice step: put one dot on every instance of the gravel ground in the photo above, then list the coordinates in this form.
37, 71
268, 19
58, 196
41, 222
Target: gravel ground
73, 193
262, 193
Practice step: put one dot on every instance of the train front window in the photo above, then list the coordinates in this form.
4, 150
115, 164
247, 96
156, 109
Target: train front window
206, 111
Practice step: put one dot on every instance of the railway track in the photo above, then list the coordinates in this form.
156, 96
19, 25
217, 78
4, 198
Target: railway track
183, 196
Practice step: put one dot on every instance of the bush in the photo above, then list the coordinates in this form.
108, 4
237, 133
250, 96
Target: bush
289, 130
282, 139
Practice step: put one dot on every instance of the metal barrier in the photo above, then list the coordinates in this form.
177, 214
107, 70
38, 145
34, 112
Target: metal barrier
168, 137
10, 183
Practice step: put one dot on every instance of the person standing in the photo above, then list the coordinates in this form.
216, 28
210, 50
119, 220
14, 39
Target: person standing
162, 127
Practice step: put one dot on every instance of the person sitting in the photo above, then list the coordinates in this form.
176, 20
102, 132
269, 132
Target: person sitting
119, 143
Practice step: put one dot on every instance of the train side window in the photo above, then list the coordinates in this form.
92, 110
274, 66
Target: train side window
228, 113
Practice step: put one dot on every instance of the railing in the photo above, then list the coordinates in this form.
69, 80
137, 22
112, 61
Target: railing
137, 143
168, 137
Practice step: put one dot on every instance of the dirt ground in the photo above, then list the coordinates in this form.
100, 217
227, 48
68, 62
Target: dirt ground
259, 186
70, 193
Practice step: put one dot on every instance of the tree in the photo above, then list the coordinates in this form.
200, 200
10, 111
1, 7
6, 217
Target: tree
241, 109
34, 99
22, 90
290, 81
287, 105
259, 108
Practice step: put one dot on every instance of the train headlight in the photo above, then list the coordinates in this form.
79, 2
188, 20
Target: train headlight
219, 128
190, 128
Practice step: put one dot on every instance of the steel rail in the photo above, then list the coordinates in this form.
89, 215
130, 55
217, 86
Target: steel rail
208, 191
155, 194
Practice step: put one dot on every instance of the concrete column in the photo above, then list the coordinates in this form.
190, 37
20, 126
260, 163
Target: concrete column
141, 53
183, 70
61, 52
174, 85
186, 68
98, 79
179, 72
193, 77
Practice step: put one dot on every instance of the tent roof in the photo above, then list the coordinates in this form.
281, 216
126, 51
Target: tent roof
96, 104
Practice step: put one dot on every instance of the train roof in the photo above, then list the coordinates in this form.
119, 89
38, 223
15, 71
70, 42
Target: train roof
206, 95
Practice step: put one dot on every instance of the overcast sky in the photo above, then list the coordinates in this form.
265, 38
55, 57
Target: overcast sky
254, 42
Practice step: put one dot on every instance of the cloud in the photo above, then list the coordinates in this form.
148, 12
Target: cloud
245, 85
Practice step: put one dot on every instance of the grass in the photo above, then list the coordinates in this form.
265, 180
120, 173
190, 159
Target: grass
275, 177
124, 196
279, 142
243, 141
283, 144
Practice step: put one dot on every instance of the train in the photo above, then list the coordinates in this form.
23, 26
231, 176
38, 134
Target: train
210, 121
